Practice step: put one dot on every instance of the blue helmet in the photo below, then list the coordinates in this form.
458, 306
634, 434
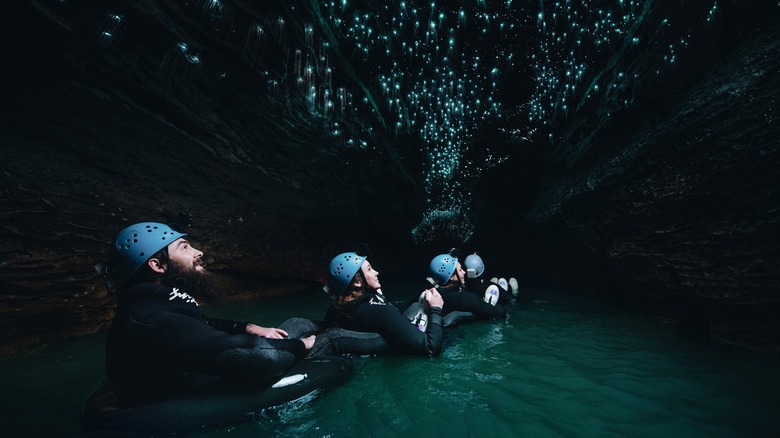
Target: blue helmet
342, 270
134, 246
474, 261
442, 267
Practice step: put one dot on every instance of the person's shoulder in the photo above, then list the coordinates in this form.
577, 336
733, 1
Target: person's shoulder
331, 311
448, 288
158, 297
140, 292
371, 299
144, 288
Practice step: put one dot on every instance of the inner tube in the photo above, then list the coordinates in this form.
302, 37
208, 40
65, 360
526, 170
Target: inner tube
217, 405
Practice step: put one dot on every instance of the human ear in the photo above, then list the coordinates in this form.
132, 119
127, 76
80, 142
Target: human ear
156, 265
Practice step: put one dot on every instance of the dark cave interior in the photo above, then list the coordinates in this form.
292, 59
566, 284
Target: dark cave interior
619, 148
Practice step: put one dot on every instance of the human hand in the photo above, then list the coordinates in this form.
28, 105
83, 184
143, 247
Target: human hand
266, 332
309, 341
433, 298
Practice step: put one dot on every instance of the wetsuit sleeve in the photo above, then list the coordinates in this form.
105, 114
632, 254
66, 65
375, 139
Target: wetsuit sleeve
469, 302
401, 335
435, 331
187, 344
331, 316
226, 325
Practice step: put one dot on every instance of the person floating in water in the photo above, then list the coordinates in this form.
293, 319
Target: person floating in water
478, 284
447, 271
360, 305
159, 344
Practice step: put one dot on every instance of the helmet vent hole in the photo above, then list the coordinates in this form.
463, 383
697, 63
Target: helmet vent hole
142, 254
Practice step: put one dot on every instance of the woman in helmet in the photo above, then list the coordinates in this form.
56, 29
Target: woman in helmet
475, 282
447, 272
361, 306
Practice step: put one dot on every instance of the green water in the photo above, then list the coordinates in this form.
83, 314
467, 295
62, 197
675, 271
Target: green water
558, 366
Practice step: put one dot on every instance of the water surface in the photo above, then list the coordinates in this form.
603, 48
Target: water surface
560, 365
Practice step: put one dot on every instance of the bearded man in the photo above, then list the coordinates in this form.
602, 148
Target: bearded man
160, 345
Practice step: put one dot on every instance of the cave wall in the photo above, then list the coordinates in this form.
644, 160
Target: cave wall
672, 204
97, 137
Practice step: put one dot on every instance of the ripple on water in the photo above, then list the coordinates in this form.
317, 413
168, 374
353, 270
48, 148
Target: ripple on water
558, 366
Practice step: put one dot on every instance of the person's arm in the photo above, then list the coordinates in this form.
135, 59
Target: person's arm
187, 344
401, 335
266, 332
226, 325
469, 302
240, 327
435, 332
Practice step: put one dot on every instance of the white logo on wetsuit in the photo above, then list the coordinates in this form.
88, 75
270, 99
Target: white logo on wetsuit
183, 295
377, 299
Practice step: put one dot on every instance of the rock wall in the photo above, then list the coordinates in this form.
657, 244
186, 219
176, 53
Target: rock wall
95, 138
672, 204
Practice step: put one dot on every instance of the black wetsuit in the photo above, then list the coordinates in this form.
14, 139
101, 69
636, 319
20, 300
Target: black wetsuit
370, 313
160, 344
457, 298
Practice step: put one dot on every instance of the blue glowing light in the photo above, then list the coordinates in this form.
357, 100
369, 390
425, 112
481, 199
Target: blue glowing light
434, 73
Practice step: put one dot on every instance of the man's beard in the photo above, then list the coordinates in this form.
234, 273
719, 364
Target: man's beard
200, 284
